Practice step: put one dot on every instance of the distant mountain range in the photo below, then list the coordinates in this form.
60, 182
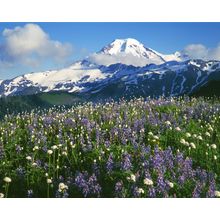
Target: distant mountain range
124, 68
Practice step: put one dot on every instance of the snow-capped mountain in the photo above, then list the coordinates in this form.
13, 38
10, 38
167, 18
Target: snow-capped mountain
133, 50
132, 47
161, 74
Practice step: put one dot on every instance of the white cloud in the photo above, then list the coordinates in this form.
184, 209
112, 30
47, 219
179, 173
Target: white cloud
30, 45
199, 51
196, 51
128, 59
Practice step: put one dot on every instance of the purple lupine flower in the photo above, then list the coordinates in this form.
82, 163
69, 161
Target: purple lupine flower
39, 163
107, 144
201, 175
96, 169
147, 174
126, 162
158, 161
187, 169
168, 158
95, 188
118, 188
179, 159
110, 163
181, 180
211, 190
197, 190
45, 149
161, 185
18, 149
146, 150
152, 192
212, 187
135, 145
136, 192
69, 122
145, 162
85, 121
88, 185
20, 171
81, 183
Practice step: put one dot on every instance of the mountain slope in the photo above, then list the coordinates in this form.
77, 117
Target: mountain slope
169, 79
210, 89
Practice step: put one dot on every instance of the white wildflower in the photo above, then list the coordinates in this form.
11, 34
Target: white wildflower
7, 179
195, 135
199, 137
213, 146
35, 148
64, 153
193, 145
133, 177
49, 152
2, 195
217, 193
156, 137
49, 181
150, 133
167, 123
188, 134
207, 134
54, 147
72, 145
182, 141
62, 187
140, 190
187, 143
28, 158
148, 182
171, 185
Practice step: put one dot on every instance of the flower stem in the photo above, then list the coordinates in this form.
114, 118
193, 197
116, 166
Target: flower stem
48, 190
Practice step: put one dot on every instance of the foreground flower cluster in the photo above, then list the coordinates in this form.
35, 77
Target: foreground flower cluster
137, 148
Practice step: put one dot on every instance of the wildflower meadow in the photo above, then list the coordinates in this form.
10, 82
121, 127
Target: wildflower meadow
166, 147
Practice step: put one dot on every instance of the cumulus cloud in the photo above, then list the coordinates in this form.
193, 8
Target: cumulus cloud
30, 45
199, 51
128, 59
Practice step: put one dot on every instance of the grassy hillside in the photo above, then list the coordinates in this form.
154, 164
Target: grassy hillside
16, 104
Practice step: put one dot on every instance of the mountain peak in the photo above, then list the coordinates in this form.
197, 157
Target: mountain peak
127, 41
128, 46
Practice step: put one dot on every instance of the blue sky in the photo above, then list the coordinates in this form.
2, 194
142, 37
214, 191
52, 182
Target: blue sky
86, 38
